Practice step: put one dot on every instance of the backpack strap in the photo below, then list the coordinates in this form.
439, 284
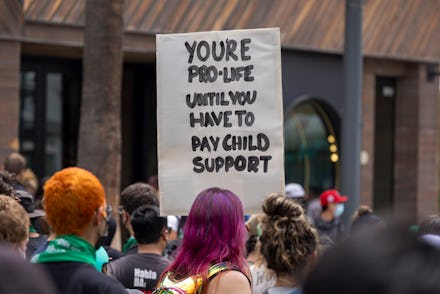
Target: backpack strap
192, 284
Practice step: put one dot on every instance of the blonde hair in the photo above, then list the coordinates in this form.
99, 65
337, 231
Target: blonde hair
14, 221
288, 239
29, 181
362, 210
71, 198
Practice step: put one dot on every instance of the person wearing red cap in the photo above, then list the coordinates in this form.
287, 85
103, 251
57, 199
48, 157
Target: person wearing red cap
328, 222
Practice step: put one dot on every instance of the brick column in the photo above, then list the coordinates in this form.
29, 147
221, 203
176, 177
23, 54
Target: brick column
416, 157
428, 147
11, 20
368, 110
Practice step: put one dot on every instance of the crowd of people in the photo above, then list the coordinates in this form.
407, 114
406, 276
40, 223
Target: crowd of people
59, 241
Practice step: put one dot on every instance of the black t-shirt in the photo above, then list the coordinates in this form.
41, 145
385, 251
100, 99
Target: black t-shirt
81, 278
138, 271
33, 244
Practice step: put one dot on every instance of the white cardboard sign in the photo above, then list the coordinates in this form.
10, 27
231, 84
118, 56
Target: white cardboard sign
219, 116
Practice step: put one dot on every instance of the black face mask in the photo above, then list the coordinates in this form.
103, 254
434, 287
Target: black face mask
101, 239
100, 242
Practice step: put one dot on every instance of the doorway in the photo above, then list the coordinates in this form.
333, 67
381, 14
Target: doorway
384, 143
50, 93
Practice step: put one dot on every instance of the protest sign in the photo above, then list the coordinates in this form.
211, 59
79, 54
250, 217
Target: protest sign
219, 116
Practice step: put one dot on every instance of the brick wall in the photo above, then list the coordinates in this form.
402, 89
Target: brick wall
372, 69
11, 20
416, 155
9, 96
428, 147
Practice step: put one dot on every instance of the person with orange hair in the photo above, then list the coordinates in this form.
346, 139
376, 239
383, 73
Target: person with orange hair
77, 212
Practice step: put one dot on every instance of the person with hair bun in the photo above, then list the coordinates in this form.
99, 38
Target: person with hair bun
289, 243
211, 258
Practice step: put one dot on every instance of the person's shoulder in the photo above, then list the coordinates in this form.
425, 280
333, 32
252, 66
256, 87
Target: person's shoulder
229, 282
164, 260
95, 282
116, 265
82, 278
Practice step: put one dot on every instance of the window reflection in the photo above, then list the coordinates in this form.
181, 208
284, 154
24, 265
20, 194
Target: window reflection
54, 122
311, 146
27, 114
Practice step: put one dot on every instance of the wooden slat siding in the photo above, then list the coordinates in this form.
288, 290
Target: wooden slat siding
241, 15
388, 35
130, 8
433, 11
76, 14
334, 14
220, 19
10, 19
29, 9
387, 38
198, 22
41, 9
195, 17
404, 29
320, 15
335, 31
217, 13
186, 13
65, 14
259, 12
245, 14
54, 8
192, 12
419, 29
142, 13
181, 11
161, 19
316, 23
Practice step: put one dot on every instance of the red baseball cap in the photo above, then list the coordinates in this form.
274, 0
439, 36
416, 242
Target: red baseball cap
331, 196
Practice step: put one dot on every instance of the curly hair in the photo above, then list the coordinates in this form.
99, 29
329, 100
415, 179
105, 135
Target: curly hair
6, 187
430, 225
14, 221
71, 198
288, 239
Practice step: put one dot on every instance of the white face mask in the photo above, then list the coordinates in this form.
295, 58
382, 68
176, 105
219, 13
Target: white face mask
21, 252
339, 209
21, 248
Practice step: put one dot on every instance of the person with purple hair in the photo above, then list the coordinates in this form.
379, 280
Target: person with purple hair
211, 258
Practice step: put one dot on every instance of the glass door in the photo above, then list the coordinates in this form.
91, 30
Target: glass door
50, 94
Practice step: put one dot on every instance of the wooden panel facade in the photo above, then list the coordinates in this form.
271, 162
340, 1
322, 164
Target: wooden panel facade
399, 29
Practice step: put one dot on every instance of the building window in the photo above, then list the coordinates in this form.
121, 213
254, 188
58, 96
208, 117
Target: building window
311, 145
50, 93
